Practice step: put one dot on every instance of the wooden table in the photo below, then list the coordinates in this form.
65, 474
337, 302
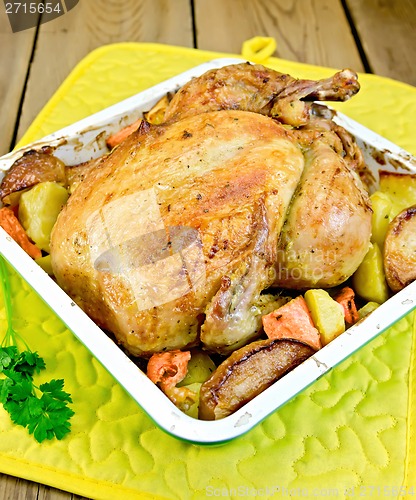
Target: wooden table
375, 36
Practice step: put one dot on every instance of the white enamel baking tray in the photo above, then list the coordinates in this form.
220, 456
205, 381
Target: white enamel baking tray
85, 140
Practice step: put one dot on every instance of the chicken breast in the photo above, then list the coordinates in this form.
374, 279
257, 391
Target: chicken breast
178, 228
170, 240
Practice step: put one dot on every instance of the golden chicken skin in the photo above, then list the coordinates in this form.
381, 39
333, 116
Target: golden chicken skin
171, 239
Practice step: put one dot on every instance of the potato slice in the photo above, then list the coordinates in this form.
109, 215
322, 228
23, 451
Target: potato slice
369, 280
367, 309
327, 314
31, 169
156, 115
401, 189
248, 372
200, 368
381, 204
39, 209
45, 263
191, 404
400, 250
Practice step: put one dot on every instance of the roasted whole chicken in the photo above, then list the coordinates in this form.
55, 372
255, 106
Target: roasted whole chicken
172, 240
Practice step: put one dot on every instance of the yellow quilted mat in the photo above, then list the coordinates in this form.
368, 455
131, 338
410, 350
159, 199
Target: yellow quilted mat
350, 434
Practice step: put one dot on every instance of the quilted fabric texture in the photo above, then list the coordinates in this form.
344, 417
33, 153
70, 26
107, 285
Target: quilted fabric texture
348, 433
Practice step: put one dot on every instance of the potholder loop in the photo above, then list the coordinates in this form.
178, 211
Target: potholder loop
259, 48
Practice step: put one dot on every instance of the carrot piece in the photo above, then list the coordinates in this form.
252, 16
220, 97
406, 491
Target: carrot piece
168, 368
118, 137
346, 298
10, 223
292, 321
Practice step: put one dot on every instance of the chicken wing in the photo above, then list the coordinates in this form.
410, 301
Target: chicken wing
252, 87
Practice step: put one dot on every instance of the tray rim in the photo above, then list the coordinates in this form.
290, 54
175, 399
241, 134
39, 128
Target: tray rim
155, 404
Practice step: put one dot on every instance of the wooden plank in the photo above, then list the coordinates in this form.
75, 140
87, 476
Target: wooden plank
63, 42
15, 52
387, 32
48, 493
12, 488
310, 31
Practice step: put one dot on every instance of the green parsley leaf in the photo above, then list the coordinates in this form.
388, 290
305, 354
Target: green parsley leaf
5, 386
21, 391
8, 355
43, 411
29, 363
19, 412
16, 377
54, 390
53, 422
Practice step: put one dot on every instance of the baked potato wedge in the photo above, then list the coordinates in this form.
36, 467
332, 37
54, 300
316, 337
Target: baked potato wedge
157, 113
39, 209
369, 280
381, 205
31, 169
400, 250
248, 372
400, 188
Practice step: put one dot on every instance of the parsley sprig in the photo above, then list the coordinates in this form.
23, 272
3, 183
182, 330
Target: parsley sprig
42, 409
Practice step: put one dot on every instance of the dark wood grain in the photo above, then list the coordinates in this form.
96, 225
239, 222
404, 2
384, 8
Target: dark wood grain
310, 31
12, 488
386, 29
15, 53
63, 42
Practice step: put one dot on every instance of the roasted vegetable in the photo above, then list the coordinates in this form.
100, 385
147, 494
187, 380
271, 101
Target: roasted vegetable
155, 116
292, 321
31, 169
346, 297
167, 369
367, 309
381, 205
327, 314
117, 138
157, 113
39, 209
190, 399
10, 223
400, 250
401, 189
369, 281
248, 372
200, 368
45, 263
